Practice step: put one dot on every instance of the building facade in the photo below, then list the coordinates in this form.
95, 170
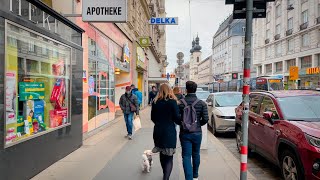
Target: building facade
114, 59
289, 36
228, 49
41, 82
205, 71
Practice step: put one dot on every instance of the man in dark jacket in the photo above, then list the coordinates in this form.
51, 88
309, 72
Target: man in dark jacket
191, 141
152, 95
126, 102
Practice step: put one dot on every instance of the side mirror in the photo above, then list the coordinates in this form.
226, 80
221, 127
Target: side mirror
268, 116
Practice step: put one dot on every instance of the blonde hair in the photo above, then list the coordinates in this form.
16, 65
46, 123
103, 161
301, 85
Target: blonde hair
176, 90
165, 93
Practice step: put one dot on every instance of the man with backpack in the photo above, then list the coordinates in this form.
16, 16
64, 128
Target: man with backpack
194, 115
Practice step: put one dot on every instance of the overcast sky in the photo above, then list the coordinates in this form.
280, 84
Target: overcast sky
206, 15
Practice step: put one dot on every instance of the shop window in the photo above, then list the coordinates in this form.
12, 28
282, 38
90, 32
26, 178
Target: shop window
37, 86
306, 62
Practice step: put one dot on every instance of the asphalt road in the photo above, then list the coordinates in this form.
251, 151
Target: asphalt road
257, 165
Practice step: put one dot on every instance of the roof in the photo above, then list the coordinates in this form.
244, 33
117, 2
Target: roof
291, 93
224, 25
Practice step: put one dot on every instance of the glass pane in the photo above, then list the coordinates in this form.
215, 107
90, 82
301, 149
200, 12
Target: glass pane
37, 87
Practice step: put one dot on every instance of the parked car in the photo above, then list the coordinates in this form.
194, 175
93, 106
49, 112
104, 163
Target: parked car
221, 108
284, 127
202, 95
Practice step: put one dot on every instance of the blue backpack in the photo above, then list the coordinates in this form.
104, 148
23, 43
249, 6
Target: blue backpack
189, 121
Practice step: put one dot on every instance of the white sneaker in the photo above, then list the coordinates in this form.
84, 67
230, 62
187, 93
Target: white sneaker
130, 137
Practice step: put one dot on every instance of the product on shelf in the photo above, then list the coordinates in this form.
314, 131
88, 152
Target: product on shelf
11, 135
58, 94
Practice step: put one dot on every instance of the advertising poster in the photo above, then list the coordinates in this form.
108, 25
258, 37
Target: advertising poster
31, 91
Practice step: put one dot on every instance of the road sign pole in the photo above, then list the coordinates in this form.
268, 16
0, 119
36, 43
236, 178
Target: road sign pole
246, 90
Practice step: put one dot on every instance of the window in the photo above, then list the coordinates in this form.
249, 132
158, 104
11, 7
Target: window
198, 59
268, 106
269, 68
290, 63
306, 62
278, 29
278, 49
279, 66
268, 34
290, 45
290, 2
305, 40
278, 11
254, 103
259, 70
290, 23
304, 16
37, 87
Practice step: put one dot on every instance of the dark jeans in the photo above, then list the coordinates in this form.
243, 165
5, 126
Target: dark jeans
167, 165
129, 122
190, 143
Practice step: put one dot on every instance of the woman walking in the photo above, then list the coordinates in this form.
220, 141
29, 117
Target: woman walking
164, 114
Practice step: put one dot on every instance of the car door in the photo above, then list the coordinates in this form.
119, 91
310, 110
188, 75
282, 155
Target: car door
254, 107
210, 105
267, 133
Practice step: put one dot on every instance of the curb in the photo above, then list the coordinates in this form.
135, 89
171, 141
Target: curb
231, 161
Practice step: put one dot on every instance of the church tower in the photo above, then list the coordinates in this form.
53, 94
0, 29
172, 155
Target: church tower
195, 59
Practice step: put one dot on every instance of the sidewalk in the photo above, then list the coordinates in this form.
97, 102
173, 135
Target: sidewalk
109, 156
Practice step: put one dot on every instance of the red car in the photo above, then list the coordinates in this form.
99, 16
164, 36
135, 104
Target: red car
284, 127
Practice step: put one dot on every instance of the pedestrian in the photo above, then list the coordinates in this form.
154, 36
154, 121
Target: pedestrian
164, 114
190, 130
152, 94
177, 93
138, 93
129, 105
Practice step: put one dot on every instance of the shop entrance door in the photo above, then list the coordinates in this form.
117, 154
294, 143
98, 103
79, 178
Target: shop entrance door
99, 82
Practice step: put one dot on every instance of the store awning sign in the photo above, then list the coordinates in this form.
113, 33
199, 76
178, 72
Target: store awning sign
144, 41
164, 21
315, 70
104, 11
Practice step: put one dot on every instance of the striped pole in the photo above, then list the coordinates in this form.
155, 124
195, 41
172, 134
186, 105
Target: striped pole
246, 91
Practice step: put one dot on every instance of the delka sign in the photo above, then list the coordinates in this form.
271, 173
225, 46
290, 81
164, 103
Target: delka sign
164, 21
104, 11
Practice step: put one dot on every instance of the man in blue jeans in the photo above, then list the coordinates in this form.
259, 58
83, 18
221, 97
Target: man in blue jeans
191, 141
129, 105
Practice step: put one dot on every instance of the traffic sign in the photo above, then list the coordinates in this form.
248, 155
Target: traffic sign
259, 10
294, 73
234, 75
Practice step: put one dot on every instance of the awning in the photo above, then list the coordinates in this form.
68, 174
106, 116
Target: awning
158, 80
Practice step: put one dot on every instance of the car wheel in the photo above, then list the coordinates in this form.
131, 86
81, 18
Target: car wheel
213, 125
290, 167
239, 139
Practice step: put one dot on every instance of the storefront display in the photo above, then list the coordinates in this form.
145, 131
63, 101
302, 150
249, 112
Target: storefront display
37, 84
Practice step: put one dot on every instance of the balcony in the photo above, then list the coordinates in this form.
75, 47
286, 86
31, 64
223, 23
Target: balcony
304, 26
267, 41
277, 37
290, 7
318, 20
289, 32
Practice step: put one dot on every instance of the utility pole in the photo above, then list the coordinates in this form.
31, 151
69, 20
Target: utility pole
247, 9
246, 90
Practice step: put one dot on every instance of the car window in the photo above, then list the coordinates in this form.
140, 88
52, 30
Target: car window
254, 103
268, 106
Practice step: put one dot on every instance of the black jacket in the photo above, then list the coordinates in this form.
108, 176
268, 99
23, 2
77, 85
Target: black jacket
152, 95
201, 108
164, 114
179, 96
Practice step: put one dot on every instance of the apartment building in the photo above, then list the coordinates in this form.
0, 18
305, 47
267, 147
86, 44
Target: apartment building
205, 71
289, 36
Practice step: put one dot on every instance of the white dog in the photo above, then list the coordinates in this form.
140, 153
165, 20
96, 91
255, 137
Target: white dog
147, 160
